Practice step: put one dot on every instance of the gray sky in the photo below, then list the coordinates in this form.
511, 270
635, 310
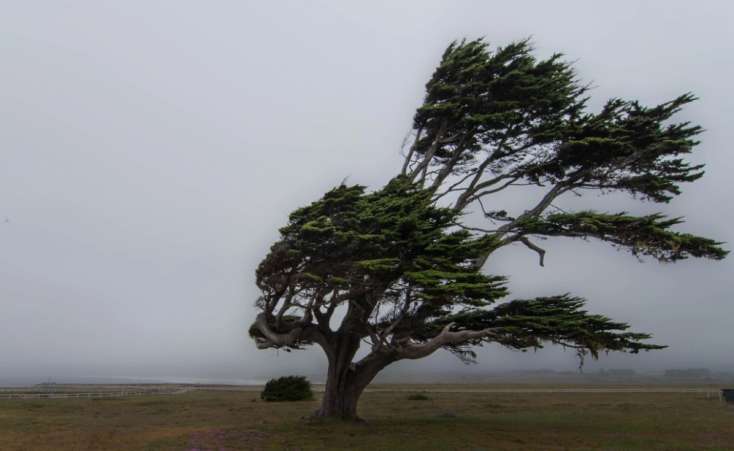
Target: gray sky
149, 150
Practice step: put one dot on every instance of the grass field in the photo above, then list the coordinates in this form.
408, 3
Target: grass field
536, 418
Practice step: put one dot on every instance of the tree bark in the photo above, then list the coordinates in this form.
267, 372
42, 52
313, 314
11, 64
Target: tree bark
346, 380
340, 399
340, 395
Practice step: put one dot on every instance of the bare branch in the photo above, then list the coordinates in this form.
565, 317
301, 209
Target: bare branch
409, 157
449, 166
553, 193
272, 339
423, 166
410, 350
473, 229
297, 334
534, 247
453, 188
481, 194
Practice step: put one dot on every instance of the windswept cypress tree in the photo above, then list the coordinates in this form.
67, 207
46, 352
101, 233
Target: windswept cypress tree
407, 267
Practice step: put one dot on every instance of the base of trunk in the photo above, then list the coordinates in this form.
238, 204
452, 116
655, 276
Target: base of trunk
319, 416
339, 406
346, 381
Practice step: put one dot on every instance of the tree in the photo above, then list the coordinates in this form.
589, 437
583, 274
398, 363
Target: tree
403, 264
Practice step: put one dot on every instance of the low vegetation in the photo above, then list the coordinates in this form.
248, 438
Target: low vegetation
238, 420
288, 388
418, 397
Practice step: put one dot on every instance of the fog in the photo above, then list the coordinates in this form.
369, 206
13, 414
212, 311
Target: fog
149, 150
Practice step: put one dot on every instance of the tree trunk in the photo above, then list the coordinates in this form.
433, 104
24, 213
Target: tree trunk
340, 399
341, 395
346, 380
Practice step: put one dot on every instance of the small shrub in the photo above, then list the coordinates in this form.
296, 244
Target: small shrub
289, 388
418, 397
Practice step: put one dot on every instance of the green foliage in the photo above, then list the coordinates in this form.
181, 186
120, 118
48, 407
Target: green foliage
528, 323
288, 388
476, 94
642, 235
418, 397
410, 270
625, 147
532, 115
357, 241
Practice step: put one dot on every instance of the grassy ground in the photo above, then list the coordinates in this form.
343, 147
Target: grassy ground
445, 421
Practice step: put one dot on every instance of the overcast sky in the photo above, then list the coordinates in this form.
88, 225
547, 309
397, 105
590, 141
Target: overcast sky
149, 150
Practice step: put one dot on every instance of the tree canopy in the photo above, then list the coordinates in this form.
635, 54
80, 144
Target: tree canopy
407, 265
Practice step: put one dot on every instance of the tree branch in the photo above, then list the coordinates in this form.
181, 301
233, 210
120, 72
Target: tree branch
423, 166
481, 194
409, 350
272, 339
265, 337
532, 246
409, 157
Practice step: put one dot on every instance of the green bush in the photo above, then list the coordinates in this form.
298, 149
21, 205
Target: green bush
289, 388
418, 397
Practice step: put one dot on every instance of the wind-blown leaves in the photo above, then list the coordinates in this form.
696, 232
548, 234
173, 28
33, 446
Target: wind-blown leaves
407, 267
642, 235
359, 241
529, 323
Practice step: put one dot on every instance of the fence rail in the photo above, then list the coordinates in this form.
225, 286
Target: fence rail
91, 395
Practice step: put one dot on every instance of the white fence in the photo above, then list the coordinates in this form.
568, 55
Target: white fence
90, 395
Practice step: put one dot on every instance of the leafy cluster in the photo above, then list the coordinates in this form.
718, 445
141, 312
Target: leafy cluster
287, 388
642, 235
478, 98
407, 266
364, 247
528, 323
625, 147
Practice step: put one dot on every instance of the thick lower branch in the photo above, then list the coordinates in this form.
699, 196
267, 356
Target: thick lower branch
409, 350
272, 339
297, 334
